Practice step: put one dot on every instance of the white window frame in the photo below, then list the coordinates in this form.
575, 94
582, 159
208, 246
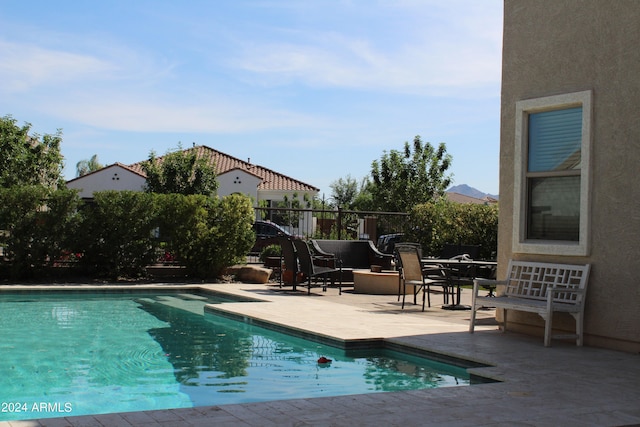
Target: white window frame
520, 197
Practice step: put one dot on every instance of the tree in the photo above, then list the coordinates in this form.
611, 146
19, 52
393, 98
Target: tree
86, 166
404, 179
28, 160
348, 194
180, 172
344, 192
364, 198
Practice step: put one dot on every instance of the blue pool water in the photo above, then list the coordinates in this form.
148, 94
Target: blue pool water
71, 354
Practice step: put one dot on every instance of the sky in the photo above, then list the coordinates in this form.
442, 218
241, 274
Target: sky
315, 89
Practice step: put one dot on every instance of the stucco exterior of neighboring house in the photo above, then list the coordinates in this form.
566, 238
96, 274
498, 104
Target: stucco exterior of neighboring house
113, 177
571, 67
238, 180
263, 185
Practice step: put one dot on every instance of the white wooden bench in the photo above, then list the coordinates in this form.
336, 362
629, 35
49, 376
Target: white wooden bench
540, 288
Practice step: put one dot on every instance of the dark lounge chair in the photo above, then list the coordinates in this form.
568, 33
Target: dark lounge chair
310, 269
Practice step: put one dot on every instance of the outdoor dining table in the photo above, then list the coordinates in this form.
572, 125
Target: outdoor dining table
451, 264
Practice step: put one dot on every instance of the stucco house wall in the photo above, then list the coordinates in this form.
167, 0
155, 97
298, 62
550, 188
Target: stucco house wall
113, 177
557, 47
238, 181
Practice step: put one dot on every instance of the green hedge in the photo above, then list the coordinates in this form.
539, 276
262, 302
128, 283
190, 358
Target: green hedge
37, 229
118, 234
116, 237
442, 222
206, 234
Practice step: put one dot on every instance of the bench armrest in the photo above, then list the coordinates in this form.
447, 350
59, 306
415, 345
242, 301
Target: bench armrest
560, 288
557, 289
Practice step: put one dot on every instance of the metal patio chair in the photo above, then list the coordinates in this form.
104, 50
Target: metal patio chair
421, 279
288, 261
310, 269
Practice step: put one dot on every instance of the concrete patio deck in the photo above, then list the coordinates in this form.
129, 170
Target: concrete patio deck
563, 385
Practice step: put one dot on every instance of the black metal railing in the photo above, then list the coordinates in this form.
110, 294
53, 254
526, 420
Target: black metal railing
340, 224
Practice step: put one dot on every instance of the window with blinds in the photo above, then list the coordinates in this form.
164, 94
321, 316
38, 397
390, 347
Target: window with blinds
553, 175
555, 139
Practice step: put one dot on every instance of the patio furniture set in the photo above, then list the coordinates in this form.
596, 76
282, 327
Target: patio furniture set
332, 260
541, 288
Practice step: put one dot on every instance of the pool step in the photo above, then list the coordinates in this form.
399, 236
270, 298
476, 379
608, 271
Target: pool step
192, 305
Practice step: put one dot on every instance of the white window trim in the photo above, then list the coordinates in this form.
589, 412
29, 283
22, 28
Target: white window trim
551, 247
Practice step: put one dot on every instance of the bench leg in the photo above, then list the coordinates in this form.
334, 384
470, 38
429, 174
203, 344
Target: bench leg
504, 320
578, 318
547, 329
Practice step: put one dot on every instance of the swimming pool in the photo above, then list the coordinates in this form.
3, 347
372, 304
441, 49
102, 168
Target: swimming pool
89, 353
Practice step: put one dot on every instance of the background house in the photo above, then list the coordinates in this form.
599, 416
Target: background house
263, 185
113, 177
574, 65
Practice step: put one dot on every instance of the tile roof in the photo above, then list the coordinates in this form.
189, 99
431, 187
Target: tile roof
271, 180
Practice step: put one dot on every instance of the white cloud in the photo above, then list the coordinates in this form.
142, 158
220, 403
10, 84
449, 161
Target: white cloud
356, 64
25, 66
456, 50
124, 112
118, 89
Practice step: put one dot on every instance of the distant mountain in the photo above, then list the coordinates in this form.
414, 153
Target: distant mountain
470, 191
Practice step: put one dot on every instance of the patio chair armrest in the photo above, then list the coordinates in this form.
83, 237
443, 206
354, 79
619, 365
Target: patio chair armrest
318, 251
486, 282
325, 261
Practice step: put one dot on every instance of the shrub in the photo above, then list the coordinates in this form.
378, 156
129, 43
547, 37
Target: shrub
270, 251
207, 234
38, 225
441, 222
233, 236
117, 234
